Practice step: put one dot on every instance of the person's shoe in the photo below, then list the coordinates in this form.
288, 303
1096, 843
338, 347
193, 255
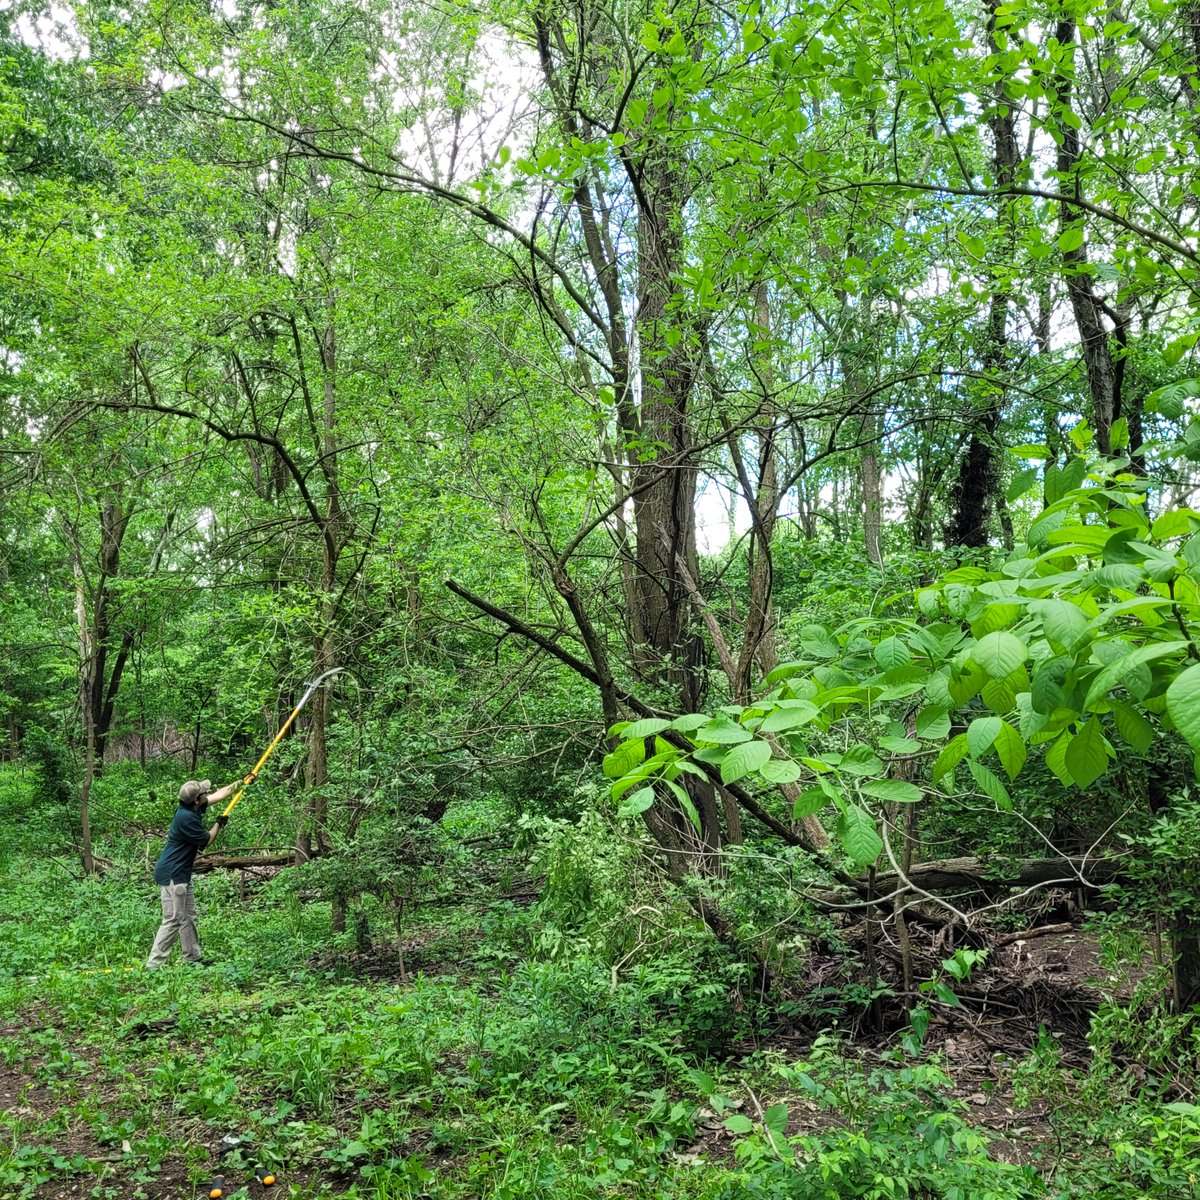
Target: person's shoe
199, 962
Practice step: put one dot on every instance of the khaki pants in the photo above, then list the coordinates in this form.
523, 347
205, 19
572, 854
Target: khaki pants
178, 921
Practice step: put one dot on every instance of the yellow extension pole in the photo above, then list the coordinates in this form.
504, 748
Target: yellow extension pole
312, 687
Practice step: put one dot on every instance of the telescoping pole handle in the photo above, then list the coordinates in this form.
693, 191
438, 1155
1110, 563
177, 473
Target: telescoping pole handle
312, 687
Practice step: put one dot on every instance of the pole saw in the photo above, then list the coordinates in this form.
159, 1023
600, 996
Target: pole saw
249, 779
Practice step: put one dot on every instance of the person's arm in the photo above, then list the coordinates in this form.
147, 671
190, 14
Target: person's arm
216, 798
219, 824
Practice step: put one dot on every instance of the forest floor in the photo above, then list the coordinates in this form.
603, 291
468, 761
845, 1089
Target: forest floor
489, 1067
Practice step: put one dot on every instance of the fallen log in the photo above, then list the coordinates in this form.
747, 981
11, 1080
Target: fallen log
990, 877
217, 862
998, 874
1007, 939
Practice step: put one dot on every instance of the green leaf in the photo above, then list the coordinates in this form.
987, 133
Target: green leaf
965, 683
860, 760
928, 602
946, 995
724, 731
981, 733
785, 671
952, 754
638, 802
690, 722
1071, 239
995, 616
646, 728
1000, 653
1183, 705
1174, 524
776, 1118
1087, 757
810, 801
1000, 695
1125, 576
628, 782
1132, 726
789, 715
1175, 350
1120, 670
623, 759
892, 653
975, 246
1022, 481
894, 791
1045, 525
856, 829
780, 770
1056, 759
685, 803
989, 783
736, 1123
819, 642
743, 759
1046, 689
1062, 622
1010, 749
933, 723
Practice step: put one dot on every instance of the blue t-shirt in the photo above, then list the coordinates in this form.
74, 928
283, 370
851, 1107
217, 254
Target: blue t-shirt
186, 837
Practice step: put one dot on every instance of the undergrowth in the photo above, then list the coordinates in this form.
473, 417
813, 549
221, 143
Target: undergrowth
587, 1042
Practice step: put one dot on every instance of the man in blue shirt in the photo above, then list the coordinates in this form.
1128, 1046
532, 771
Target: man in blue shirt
187, 836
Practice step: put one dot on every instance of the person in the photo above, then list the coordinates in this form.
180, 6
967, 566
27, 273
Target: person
187, 836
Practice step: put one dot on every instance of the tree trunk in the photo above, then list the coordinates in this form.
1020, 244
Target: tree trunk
315, 818
87, 712
976, 493
872, 495
1164, 777
1093, 337
664, 523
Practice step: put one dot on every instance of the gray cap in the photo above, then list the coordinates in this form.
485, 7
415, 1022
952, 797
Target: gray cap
193, 790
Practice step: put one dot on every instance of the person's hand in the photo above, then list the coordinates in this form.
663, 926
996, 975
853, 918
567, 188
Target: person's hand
250, 778
221, 821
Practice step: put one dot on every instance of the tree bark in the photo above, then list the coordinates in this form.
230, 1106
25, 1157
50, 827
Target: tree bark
975, 495
1094, 343
315, 818
872, 495
85, 704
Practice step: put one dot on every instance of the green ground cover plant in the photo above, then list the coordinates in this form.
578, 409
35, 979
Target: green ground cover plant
530, 1073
